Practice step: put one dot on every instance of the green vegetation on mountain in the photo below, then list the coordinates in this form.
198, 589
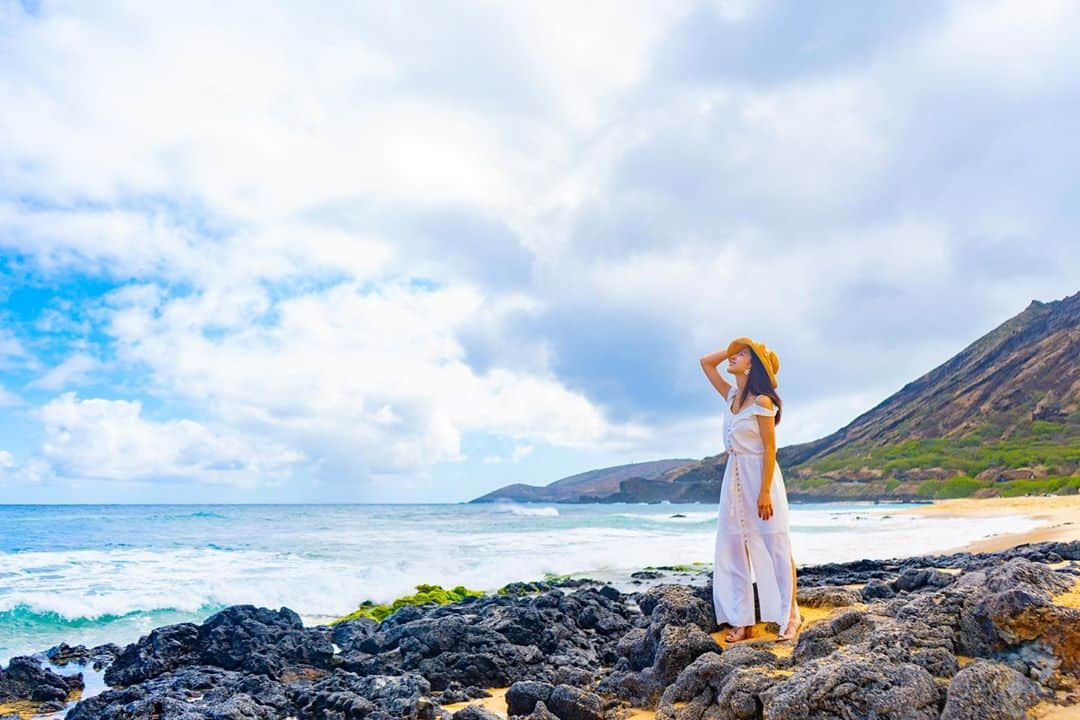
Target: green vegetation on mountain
1038, 457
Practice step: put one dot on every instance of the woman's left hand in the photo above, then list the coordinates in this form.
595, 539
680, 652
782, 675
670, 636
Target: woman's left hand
764, 506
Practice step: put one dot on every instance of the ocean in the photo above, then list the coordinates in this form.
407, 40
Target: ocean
98, 573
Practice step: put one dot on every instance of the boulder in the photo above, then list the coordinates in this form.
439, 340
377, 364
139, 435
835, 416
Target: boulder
679, 620
679, 646
703, 680
26, 679
922, 578
345, 695
854, 684
240, 637
190, 693
826, 596
541, 712
570, 703
877, 590
848, 627
475, 712
986, 690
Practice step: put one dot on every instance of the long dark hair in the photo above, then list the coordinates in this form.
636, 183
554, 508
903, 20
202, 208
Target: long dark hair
758, 383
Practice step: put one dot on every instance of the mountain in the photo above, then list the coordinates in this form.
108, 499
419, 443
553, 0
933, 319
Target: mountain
1001, 413
1026, 369
588, 486
1000, 417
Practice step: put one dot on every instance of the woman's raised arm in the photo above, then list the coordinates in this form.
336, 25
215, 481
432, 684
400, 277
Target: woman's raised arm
708, 364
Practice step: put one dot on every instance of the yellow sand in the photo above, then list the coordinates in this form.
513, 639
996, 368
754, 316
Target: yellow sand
766, 633
1048, 711
634, 713
23, 708
1069, 598
638, 714
28, 710
496, 703
1059, 514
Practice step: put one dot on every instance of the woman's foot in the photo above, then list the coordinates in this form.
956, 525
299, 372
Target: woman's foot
792, 630
736, 634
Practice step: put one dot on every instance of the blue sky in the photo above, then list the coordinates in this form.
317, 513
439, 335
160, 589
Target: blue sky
349, 254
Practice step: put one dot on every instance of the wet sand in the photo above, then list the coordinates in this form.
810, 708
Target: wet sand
1059, 515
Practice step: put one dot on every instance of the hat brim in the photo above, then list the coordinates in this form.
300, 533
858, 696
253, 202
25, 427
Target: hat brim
740, 342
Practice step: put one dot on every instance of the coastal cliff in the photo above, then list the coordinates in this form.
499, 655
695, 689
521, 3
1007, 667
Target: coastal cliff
1001, 417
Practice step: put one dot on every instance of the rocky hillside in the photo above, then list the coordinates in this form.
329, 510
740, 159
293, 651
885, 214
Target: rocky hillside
1024, 371
1001, 417
588, 486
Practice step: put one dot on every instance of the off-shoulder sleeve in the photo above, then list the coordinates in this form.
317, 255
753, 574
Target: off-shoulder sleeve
756, 409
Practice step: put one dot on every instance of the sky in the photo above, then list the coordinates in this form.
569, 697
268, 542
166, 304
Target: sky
412, 252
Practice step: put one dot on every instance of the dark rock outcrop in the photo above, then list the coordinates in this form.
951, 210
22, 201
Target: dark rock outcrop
240, 637
680, 619
26, 679
583, 651
989, 691
854, 684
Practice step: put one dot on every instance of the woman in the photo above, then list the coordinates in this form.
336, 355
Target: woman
752, 533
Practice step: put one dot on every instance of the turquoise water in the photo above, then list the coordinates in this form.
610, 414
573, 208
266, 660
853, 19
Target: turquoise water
97, 573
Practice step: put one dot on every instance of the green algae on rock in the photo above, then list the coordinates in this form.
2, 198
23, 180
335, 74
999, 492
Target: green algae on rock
424, 594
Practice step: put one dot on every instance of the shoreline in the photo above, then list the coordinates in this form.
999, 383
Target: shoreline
700, 570
841, 605
1058, 515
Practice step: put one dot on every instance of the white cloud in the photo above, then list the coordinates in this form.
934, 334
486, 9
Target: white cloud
259, 122
817, 144
1017, 46
735, 10
370, 379
74, 370
101, 240
12, 352
149, 244
8, 398
111, 440
520, 452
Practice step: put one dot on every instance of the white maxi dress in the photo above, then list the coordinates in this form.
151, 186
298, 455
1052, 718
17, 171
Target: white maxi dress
749, 549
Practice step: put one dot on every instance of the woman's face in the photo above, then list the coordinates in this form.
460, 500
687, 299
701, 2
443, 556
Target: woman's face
739, 362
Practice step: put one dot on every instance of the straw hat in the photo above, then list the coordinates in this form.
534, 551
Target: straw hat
767, 357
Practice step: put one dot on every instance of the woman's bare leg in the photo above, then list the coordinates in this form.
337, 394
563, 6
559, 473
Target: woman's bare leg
794, 612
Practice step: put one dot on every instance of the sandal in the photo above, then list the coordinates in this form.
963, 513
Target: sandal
792, 630
736, 634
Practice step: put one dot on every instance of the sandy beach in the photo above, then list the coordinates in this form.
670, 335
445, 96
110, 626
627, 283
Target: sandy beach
1059, 515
